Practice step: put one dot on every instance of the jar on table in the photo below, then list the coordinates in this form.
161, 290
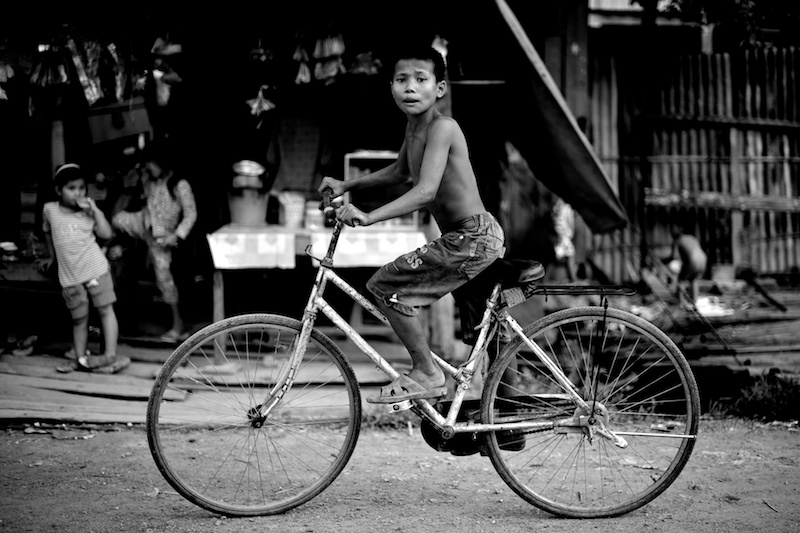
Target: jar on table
247, 197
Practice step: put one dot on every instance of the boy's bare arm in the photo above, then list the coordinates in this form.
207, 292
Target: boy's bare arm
392, 174
386, 176
434, 164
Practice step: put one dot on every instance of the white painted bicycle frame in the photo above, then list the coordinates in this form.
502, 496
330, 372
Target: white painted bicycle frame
462, 375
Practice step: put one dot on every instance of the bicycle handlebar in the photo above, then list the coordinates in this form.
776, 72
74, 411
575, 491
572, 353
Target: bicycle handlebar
327, 205
328, 208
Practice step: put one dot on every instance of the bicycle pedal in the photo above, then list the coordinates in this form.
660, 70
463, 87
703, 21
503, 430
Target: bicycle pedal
405, 405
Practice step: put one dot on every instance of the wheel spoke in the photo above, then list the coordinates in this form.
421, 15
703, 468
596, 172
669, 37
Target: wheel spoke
214, 442
635, 381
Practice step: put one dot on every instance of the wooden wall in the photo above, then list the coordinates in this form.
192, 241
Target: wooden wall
712, 143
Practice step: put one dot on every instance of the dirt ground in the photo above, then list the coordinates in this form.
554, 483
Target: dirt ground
743, 476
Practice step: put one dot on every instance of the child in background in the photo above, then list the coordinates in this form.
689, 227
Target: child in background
166, 220
70, 226
687, 251
564, 225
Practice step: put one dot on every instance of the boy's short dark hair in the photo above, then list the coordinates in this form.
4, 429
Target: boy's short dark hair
423, 53
66, 173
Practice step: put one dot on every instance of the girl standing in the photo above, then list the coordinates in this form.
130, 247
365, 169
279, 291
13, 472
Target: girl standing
71, 226
164, 223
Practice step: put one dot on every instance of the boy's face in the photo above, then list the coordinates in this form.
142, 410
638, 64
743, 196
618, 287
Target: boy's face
71, 192
414, 86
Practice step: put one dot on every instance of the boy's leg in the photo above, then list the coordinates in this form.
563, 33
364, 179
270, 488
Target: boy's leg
421, 277
409, 329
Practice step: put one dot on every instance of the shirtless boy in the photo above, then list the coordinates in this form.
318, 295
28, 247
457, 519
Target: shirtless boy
434, 154
693, 259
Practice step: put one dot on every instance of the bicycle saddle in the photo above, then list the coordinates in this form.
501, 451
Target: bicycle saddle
515, 272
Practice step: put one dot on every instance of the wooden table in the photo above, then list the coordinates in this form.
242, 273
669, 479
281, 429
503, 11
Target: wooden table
236, 247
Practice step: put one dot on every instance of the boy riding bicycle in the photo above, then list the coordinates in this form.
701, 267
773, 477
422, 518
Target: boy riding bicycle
435, 155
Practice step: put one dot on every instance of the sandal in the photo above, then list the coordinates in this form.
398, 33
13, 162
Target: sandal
98, 364
173, 336
25, 346
405, 388
70, 354
70, 366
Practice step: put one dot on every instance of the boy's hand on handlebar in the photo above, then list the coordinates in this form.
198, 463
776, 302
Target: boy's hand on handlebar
352, 216
335, 186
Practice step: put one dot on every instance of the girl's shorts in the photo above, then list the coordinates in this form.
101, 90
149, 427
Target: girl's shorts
77, 296
421, 277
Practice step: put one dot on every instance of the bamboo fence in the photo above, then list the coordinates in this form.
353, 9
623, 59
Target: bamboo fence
711, 143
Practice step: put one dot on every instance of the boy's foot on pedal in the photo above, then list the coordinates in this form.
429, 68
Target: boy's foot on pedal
405, 388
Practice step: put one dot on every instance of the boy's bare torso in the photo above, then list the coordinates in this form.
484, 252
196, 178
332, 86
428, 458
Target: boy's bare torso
457, 197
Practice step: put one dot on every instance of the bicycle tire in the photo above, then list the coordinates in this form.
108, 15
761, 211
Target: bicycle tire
639, 383
219, 451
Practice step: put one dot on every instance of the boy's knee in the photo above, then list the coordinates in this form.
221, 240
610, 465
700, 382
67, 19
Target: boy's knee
80, 315
106, 309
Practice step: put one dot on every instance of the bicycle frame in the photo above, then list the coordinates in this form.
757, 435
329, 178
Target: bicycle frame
462, 374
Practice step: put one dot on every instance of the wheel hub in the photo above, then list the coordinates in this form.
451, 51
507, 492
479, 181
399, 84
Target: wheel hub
255, 417
600, 412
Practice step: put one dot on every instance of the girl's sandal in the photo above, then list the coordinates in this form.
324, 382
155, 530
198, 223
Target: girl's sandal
70, 354
173, 336
70, 366
103, 364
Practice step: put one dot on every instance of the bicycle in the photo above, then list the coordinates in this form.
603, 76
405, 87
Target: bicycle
259, 413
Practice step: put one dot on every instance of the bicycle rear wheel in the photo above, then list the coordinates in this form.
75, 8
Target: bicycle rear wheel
219, 446
639, 385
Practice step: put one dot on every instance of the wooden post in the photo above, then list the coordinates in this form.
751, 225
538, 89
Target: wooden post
737, 217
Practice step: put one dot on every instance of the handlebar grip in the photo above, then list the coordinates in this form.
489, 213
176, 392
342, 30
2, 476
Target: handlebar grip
327, 196
327, 205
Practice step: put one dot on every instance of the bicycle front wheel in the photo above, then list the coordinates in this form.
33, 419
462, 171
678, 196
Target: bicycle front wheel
215, 436
636, 382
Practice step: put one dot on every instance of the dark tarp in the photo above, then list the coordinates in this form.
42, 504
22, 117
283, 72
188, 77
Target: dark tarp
548, 137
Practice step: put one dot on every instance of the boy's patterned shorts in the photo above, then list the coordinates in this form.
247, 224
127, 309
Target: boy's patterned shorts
423, 276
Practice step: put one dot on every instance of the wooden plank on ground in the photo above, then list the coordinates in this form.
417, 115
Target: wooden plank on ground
116, 387
45, 366
156, 354
20, 401
10, 410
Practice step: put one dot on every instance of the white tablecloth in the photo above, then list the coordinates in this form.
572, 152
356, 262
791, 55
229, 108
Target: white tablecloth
240, 247
237, 247
359, 248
